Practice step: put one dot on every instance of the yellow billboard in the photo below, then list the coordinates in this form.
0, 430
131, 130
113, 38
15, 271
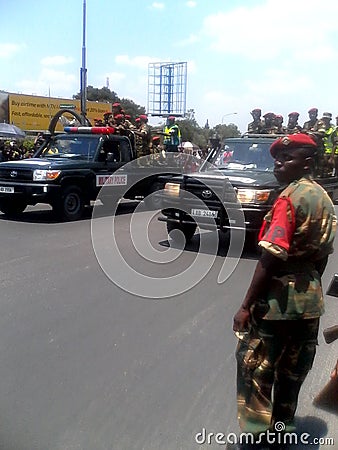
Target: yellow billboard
30, 112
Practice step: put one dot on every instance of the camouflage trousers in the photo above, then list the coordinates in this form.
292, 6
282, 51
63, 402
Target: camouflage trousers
272, 363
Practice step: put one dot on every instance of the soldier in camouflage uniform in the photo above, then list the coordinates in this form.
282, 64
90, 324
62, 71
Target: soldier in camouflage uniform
279, 119
256, 126
312, 124
143, 137
292, 125
270, 126
284, 302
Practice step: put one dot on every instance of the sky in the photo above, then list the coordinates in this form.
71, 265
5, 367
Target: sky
280, 56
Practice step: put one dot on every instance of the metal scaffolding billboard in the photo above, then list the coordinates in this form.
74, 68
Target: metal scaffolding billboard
167, 85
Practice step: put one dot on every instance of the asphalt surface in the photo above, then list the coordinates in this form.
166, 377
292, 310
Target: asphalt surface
85, 364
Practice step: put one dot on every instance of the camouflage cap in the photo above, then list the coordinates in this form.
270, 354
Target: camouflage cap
292, 141
327, 115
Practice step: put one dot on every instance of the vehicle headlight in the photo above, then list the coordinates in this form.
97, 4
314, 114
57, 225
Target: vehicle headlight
253, 195
172, 189
44, 175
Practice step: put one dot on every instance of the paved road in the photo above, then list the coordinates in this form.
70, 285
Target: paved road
87, 365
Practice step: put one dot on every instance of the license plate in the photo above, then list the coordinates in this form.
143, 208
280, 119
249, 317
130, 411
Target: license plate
203, 213
7, 189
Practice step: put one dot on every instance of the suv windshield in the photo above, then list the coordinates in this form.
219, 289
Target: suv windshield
246, 154
70, 146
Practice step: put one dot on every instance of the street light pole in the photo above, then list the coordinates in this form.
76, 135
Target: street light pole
228, 114
83, 73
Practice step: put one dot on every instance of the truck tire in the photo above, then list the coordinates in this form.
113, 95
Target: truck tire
175, 230
70, 206
152, 201
12, 208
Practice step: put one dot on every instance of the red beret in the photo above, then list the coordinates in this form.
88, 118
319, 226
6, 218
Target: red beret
171, 118
294, 114
313, 110
143, 117
116, 105
107, 113
156, 138
269, 114
118, 116
137, 119
256, 110
298, 140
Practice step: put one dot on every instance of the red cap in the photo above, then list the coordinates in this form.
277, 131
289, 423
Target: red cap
143, 117
298, 140
294, 113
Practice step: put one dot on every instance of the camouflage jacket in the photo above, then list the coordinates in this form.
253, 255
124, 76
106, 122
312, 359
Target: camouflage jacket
310, 125
299, 230
256, 126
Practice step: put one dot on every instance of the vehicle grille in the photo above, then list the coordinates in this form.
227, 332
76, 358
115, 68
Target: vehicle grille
212, 191
13, 174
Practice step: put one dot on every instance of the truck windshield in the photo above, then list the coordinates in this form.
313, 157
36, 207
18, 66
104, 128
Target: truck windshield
243, 155
70, 146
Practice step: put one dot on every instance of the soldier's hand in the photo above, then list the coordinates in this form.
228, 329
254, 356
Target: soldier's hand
242, 320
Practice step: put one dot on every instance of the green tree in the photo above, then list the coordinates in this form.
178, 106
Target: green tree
106, 95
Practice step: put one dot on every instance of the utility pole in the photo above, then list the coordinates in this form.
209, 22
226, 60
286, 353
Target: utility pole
83, 72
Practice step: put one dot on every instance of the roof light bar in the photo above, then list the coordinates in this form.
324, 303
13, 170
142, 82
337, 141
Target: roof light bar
92, 130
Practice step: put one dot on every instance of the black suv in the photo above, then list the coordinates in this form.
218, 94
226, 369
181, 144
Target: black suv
70, 169
234, 189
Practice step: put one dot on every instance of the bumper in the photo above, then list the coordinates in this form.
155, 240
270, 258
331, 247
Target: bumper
224, 217
32, 193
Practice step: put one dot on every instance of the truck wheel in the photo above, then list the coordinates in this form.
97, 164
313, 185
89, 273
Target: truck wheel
175, 230
12, 208
71, 204
153, 201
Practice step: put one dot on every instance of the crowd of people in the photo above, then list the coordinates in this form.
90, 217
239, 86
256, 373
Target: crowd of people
11, 150
322, 129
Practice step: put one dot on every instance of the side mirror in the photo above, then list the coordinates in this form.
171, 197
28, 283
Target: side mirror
333, 288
